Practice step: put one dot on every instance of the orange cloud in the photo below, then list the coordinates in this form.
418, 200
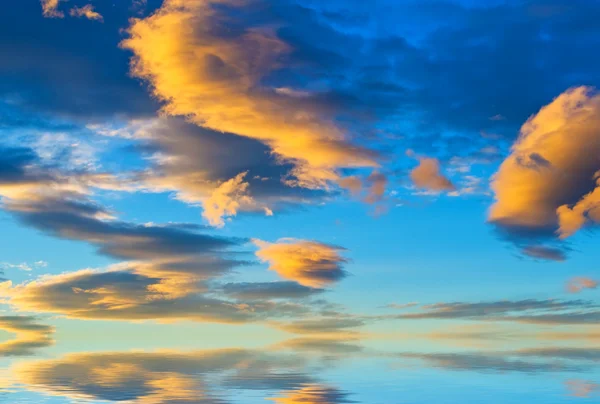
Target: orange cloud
373, 187
549, 182
87, 12
427, 175
227, 199
216, 80
577, 284
50, 9
309, 263
313, 394
582, 388
123, 293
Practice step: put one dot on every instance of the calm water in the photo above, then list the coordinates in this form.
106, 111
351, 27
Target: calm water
305, 371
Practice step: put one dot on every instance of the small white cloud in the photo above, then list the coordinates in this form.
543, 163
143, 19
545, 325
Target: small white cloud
23, 266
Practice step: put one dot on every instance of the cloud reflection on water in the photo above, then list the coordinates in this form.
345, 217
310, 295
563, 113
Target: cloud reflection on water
292, 372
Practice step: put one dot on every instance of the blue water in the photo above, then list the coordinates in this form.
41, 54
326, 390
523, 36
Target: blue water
282, 375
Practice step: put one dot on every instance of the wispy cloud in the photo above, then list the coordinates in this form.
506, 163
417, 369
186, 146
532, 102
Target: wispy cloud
29, 335
24, 266
86, 11
524, 311
578, 284
582, 388
50, 9
269, 290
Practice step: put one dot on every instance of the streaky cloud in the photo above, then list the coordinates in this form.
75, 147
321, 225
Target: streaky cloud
29, 335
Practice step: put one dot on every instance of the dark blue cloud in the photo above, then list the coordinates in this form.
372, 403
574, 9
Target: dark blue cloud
197, 152
69, 67
269, 290
13, 162
455, 74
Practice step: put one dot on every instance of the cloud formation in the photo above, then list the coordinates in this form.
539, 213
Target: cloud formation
224, 173
582, 388
55, 79
60, 203
86, 11
167, 268
548, 184
524, 311
227, 199
122, 295
427, 176
578, 284
216, 77
23, 266
310, 263
165, 264
50, 9
401, 306
544, 252
269, 290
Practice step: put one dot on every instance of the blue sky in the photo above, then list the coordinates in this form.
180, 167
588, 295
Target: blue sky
215, 201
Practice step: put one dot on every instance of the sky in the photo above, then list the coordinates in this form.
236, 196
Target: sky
299, 201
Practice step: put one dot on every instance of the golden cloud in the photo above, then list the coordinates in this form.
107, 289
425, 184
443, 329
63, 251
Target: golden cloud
122, 294
50, 9
309, 263
86, 11
227, 199
216, 80
549, 182
313, 394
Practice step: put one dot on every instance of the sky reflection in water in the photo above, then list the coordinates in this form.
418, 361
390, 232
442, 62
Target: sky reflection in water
307, 370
